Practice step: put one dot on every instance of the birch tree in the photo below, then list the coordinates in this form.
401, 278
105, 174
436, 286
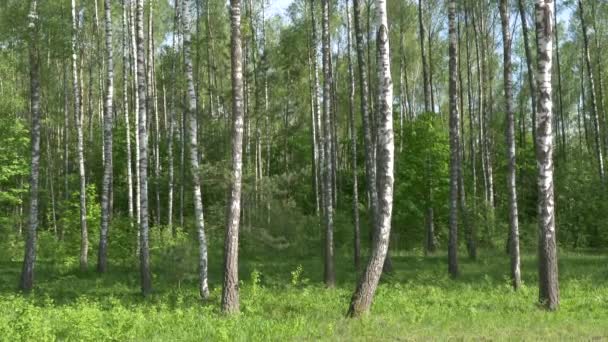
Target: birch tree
144, 253
367, 284
329, 267
454, 141
510, 139
102, 261
193, 147
27, 272
593, 96
528, 50
84, 234
353, 141
230, 291
548, 274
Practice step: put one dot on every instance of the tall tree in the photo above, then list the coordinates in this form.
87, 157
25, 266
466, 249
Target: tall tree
125, 100
144, 253
193, 147
27, 273
230, 291
353, 140
547, 268
329, 268
319, 148
370, 162
593, 97
363, 296
528, 50
102, 258
510, 138
172, 116
454, 141
84, 235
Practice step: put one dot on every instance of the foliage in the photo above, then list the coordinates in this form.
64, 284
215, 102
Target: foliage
417, 302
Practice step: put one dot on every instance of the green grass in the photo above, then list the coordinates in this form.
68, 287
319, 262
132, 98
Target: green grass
284, 299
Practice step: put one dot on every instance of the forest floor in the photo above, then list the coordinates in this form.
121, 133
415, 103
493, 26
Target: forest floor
284, 299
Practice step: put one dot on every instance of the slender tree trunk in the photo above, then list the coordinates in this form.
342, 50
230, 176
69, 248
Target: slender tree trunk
329, 270
146, 274
136, 109
594, 108
171, 132
548, 274
470, 234
84, 236
363, 296
193, 147
510, 138
531, 80
230, 291
370, 163
559, 85
353, 142
102, 261
49, 178
27, 273
317, 111
314, 106
125, 100
425, 87
454, 141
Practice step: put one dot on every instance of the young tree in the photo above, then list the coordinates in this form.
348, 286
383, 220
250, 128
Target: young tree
230, 291
193, 146
144, 253
102, 258
363, 296
547, 270
27, 273
454, 141
510, 137
84, 235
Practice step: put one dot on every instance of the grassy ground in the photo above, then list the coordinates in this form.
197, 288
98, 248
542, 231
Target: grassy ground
283, 299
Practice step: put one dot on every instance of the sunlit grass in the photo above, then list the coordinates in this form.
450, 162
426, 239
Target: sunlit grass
282, 298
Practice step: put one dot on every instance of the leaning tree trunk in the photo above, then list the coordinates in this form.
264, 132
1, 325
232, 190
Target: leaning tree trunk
353, 142
594, 108
454, 141
547, 268
230, 291
510, 137
193, 146
84, 235
329, 269
27, 273
144, 253
363, 296
102, 260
